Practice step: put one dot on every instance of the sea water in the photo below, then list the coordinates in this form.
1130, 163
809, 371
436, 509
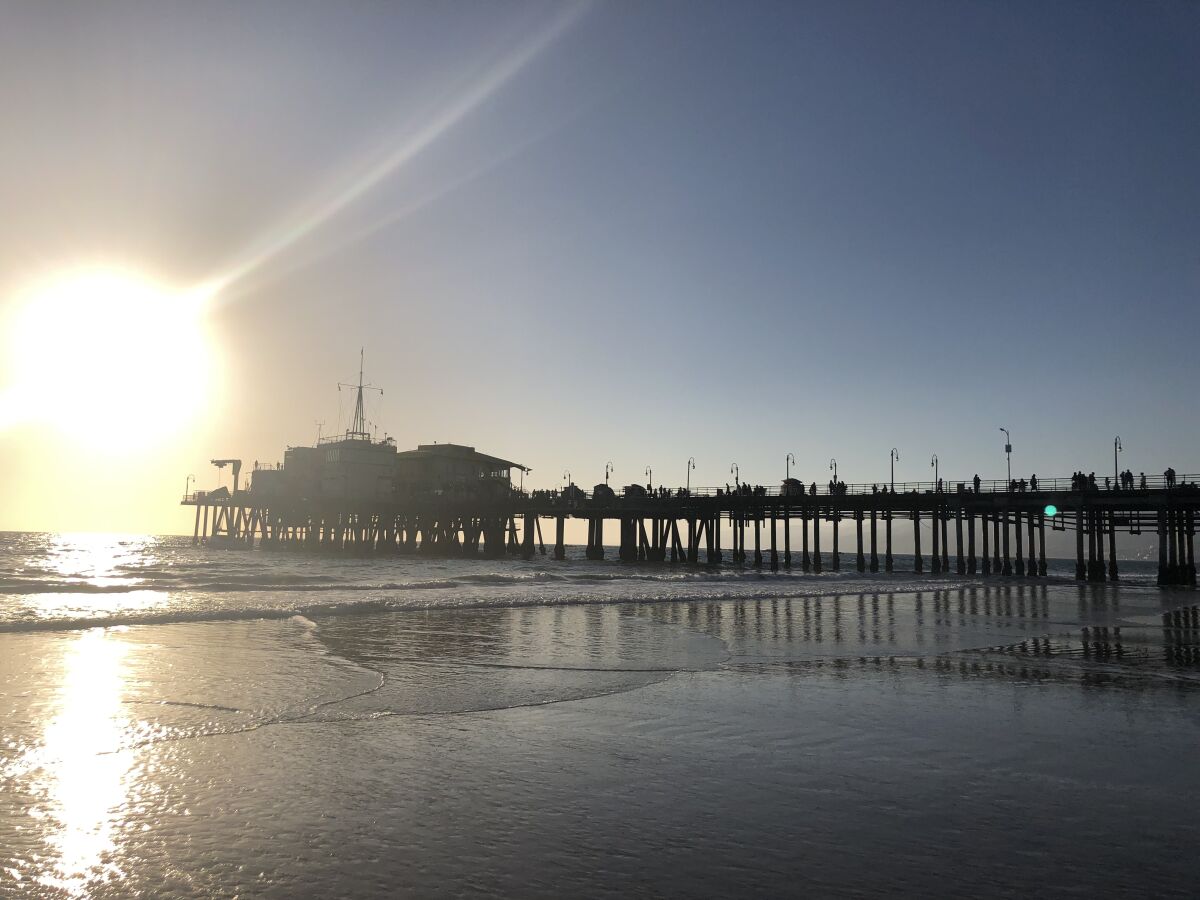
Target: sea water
185, 721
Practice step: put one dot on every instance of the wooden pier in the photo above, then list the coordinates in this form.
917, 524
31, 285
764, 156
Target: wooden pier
989, 530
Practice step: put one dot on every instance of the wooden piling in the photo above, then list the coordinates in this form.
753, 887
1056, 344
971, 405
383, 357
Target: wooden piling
935, 561
1020, 544
918, 563
888, 561
874, 554
817, 539
805, 562
1162, 547
972, 563
1031, 569
787, 536
836, 564
1007, 561
1042, 544
860, 560
1080, 569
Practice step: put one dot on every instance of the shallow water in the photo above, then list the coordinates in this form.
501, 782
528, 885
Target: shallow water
750, 735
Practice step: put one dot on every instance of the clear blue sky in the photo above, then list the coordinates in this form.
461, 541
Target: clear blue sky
643, 231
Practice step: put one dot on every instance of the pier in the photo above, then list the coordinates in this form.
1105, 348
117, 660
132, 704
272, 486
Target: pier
985, 528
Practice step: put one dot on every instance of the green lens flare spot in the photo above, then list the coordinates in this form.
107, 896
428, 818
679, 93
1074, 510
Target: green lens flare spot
1051, 509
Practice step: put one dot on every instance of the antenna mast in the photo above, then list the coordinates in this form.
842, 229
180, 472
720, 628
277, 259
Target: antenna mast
358, 428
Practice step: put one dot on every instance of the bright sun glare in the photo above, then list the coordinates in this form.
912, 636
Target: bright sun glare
108, 357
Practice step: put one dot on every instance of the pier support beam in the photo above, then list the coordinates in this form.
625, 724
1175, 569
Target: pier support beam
918, 562
961, 564
774, 548
1007, 562
997, 566
1042, 544
1162, 548
560, 547
527, 544
888, 562
1080, 569
983, 531
860, 561
817, 540
942, 514
837, 557
935, 561
1112, 546
1020, 544
1032, 568
874, 554
758, 559
805, 562
787, 536
1172, 546
1191, 552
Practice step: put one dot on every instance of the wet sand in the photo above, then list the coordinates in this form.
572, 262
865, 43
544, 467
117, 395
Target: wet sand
966, 741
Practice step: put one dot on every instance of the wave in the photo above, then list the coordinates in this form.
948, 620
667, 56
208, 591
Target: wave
832, 588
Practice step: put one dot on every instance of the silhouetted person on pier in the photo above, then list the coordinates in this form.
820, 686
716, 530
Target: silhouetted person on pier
1107, 483
1091, 481
976, 482
1033, 483
1170, 476
1143, 484
814, 489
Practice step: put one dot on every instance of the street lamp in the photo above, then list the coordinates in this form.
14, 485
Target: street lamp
1008, 453
567, 477
1117, 448
833, 466
934, 462
895, 455
787, 468
608, 469
736, 473
691, 465
523, 471
649, 478
186, 483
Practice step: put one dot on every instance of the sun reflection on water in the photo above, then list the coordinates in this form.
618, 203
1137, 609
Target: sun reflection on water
85, 763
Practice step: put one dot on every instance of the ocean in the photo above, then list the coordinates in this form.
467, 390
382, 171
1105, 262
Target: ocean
182, 721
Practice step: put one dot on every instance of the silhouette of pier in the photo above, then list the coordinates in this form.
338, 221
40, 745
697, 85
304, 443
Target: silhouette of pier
966, 528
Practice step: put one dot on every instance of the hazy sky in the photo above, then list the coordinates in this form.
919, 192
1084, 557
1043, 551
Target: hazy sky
627, 231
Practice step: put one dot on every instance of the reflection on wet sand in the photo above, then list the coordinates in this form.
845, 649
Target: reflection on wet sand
82, 769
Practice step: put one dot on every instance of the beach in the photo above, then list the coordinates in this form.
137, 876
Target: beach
749, 735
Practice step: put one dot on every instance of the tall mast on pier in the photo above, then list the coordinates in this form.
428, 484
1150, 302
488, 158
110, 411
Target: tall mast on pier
358, 429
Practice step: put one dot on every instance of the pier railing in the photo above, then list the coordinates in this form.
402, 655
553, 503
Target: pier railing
986, 486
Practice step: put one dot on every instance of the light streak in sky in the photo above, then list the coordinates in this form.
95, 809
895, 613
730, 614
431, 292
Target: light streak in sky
482, 90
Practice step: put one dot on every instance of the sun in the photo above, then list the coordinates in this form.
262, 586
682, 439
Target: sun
107, 357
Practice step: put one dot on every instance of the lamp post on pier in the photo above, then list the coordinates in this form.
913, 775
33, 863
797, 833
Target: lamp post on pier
649, 479
691, 464
736, 473
608, 470
894, 455
1117, 448
833, 468
934, 462
186, 484
567, 476
787, 467
1008, 453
